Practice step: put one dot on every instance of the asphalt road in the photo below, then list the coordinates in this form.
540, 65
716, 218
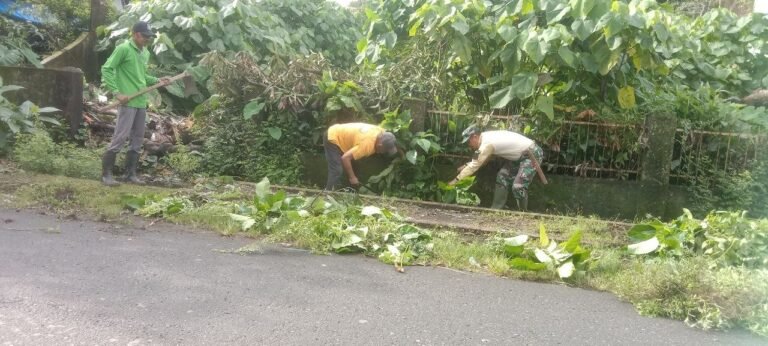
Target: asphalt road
79, 282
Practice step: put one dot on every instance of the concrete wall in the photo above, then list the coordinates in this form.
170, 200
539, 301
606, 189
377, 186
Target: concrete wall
607, 198
60, 88
79, 54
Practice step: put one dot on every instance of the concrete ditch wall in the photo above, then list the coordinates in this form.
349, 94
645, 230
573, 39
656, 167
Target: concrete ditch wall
46, 87
79, 54
607, 198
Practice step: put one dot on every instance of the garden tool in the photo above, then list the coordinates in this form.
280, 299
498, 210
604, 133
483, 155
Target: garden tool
536, 166
190, 88
368, 188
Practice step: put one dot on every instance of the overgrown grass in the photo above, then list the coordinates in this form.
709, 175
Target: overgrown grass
688, 289
38, 153
68, 195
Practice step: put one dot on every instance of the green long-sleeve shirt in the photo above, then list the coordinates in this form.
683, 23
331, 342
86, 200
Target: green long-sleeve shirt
125, 72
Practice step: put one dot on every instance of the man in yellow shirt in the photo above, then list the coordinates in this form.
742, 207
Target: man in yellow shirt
353, 141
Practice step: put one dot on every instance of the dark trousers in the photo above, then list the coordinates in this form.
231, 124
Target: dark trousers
333, 157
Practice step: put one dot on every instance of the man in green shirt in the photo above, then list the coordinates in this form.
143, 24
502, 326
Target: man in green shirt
125, 73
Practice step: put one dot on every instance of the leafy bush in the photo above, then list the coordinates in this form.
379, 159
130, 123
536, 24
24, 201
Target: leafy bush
597, 53
728, 238
459, 193
272, 30
184, 163
564, 259
38, 153
255, 148
15, 48
25, 118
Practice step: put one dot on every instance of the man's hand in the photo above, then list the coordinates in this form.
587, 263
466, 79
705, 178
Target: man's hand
453, 182
123, 99
353, 181
165, 81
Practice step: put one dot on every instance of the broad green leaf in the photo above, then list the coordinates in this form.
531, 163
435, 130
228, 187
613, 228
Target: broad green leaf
246, 222
196, 37
370, 211
512, 251
558, 13
507, 32
6, 88
48, 110
542, 256
462, 47
460, 25
516, 241
502, 97
605, 58
48, 120
641, 232
543, 239
573, 241
566, 270
567, 55
535, 48
526, 264
252, 108
263, 189
582, 29
581, 8
275, 132
627, 97
411, 156
133, 202
644, 247
390, 39
521, 86
415, 27
661, 32
545, 104
424, 144
184, 23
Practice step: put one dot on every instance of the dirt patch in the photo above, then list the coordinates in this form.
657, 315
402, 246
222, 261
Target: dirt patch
64, 194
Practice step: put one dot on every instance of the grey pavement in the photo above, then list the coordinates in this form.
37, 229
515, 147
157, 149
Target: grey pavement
77, 282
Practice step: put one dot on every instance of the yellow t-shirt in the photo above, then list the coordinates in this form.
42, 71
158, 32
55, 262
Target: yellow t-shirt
359, 137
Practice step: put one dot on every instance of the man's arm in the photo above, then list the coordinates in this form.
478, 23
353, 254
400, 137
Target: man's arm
470, 168
108, 71
346, 162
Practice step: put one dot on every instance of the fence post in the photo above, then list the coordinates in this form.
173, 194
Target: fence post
660, 142
418, 108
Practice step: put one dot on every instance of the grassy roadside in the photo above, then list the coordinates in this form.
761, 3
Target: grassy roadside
688, 289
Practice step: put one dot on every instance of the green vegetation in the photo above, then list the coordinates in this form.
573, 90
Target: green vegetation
18, 119
720, 285
15, 48
275, 77
37, 152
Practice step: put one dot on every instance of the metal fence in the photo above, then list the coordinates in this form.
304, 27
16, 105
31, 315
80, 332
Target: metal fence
700, 153
586, 149
607, 150
590, 149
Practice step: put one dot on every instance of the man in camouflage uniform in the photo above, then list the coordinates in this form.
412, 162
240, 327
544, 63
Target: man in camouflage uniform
518, 171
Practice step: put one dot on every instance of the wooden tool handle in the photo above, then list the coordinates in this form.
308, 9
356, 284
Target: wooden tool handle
536, 166
116, 103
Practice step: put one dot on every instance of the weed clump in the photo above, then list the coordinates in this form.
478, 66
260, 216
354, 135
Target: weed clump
37, 152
